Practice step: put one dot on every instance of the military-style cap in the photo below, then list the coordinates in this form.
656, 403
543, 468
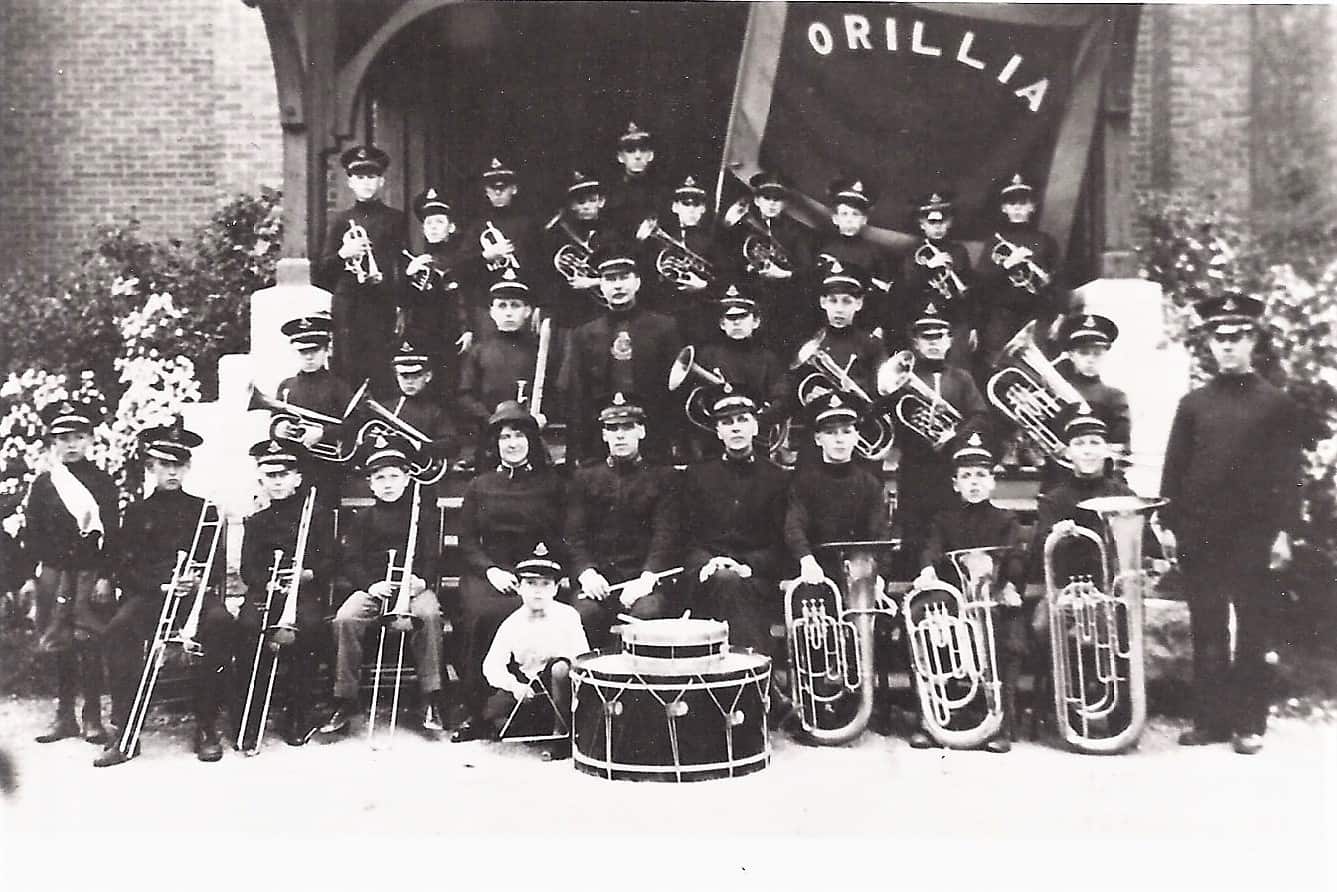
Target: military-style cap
621, 409
736, 303
1082, 424
729, 403
274, 455
689, 190
931, 316
385, 451
840, 278
973, 452
409, 358
1016, 189
170, 442
634, 137
614, 258
508, 285
851, 191
514, 413
935, 205
769, 184
70, 416
1078, 330
1230, 313
364, 159
540, 564
581, 185
430, 201
832, 411
309, 331
497, 171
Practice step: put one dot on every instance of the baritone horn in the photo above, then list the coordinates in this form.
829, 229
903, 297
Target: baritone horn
1095, 629
426, 464
677, 262
305, 420
919, 407
572, 260
1031, 392
828, 376
760, 246
953, 650
363, 264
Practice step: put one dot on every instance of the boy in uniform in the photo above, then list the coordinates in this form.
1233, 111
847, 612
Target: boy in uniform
635, 192
685, 295
501, 238
940, 265
1087, 339
578, 228
779, 289
849, 244
316, 388
435, 312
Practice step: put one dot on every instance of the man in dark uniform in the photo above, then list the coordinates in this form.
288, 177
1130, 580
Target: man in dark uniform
435, 312
503, 237
940, 265
69, 526
627, 349
1232, 468
1015, 277
154, 531
924, 475
316, 388
271, 530
733, 512
621, 526
780, 288
849, 243
636, 191
578, 230
366, 301
687, 292
1087, 338
419, 405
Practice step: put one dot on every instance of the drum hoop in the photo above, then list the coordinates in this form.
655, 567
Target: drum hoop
696, 683
701, 768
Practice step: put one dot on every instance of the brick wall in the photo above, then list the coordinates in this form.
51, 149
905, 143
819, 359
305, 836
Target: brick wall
148, 108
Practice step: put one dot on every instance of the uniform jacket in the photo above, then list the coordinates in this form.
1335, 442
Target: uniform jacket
622, 518
51, 536
735, 509
833, 503
153, 531
275, 528
980, 525
371, 534
506, 513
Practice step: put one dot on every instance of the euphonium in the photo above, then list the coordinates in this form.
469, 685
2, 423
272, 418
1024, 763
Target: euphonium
953, 650
362, 265
875, 430
1095, 630
573, 259
760, 246
677, 262
492, 237
1027, 275
1032, 393
944, 280
919, 408
396, 613
426, 465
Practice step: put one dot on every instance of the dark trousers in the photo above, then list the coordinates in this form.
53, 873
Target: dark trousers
481, 610
749, 606
72, 627
299, 659
134, 625
598, 617
553, 684
1230, 694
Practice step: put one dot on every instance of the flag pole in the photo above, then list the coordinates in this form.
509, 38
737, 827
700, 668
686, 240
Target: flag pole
744, 57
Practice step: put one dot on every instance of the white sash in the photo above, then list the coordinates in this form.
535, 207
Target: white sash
77, 500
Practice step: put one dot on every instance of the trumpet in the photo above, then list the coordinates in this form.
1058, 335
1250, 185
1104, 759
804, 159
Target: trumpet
1033, 394
945, 281
573, 260
920, 408
492, 237
362, 265
677, 263
192, 573
875, 431
1095, 630
953, 650
1026, 275
397, 613
305, 420
760, 246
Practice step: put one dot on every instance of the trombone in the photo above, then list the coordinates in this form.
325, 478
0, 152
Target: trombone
395, 616
920, 408
676, 262
362, 265
192, 573
875, 431
1033, 394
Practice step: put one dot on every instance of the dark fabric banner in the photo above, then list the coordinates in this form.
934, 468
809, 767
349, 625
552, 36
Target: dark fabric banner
911, 98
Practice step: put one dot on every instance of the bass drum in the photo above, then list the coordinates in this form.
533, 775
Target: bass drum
629, 725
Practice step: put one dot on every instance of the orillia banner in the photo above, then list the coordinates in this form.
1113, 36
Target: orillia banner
915, 97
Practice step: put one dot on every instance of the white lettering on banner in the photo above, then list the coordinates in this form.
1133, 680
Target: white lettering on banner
858, 37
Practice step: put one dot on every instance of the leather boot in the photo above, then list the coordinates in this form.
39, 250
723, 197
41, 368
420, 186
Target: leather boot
296, 731
112, 755
94, 732
207, 746
64, 725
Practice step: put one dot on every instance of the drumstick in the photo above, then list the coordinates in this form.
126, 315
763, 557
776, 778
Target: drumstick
628, 618
658, 576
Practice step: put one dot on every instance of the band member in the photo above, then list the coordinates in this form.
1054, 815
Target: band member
851, 200
577, 232
532, 651
69, 520
975, 522
1231, 471
627, 349
1015, 276
155, 529
276, 529
636, 190
503, 236
733, 517
419, 405
681, 285
940, 264
435, 311
502, 367
780, 289
375, 542
513, 504
316, 388
924, 474
359, 263
1087, 339
621, 526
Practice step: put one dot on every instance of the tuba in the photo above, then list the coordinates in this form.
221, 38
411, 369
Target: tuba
760, 246
875, 430
676, 262
192, 573
831, 649
362, 265
920, 408
491, 237
572, 260
944, 279
396, 613
1027, 275
1032, 393
953, 650
1095, 630
306, 419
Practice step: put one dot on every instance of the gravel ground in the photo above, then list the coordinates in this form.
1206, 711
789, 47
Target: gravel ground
1263, 822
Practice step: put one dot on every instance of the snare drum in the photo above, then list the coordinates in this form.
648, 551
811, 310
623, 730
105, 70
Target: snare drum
675, 646
689, 726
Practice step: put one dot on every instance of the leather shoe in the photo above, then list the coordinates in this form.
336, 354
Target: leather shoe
999, 745
471, 730
921, 741
64, 726
1200, 737
1247, 744
95, 733
558, 751
431, 719
207, 747
338, 721
112, 755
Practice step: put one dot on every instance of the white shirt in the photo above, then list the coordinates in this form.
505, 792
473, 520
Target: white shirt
532, 641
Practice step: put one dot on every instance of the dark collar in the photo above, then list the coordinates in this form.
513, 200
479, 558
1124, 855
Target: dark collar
509, 472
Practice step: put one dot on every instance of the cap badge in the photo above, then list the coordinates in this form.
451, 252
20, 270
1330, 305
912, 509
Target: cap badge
1016, 180
1229, 305
619, 399
856, 186
1090, 322
540, 550
931, 310
975, 440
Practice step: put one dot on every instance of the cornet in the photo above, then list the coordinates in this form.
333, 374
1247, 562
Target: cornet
492, 237
919, 408
875, 431
677, 263
1027, 274
760, 246
944, 280
1033, 394
362, 265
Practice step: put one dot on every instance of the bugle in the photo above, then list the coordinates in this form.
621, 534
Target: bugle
944, 279
919, 407
305, 420
760, 247
1095, 629
677, 262
491, 237
828, 376
397, 616
363, 264
1026, 274
1032, 393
